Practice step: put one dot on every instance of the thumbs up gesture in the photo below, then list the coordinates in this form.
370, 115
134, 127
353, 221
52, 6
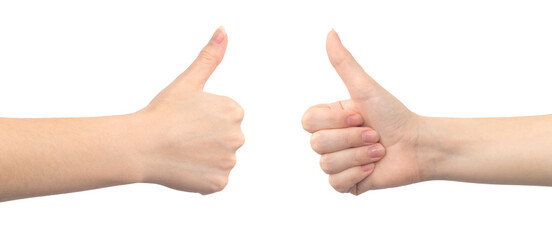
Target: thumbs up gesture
369, 141
189, 138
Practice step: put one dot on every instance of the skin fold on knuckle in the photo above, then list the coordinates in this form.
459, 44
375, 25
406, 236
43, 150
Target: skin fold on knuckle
355, 190
208, 57
353, 180
364, 186
359, 155
352, 136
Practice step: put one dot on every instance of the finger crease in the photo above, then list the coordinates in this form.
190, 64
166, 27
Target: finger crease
341, 105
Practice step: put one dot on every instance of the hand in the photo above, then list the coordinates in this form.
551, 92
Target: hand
188, 138
398, 127
348, 150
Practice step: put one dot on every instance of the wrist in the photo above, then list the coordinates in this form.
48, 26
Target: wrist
125, 132
439, 143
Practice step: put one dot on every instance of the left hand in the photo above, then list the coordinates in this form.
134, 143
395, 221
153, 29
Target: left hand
399, 129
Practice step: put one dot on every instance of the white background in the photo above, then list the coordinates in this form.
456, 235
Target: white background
441, 58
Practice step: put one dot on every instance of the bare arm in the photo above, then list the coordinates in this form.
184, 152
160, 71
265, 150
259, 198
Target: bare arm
51, 156
184, 139
515, 150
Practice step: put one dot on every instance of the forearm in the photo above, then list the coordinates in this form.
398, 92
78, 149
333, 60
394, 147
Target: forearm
51, 156
515, 150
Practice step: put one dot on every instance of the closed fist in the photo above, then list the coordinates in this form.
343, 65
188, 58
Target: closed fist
188, 138
343, 132
348, 150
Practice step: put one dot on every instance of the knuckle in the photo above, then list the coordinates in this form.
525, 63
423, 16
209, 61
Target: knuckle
235, 110
332, 181
355, 191
240, 113
364, 186
358, 155
306, 121
325, 163
230, 162
218, 184
231, 140
352, 137
240, 140
337, 185
316, 142
208, 58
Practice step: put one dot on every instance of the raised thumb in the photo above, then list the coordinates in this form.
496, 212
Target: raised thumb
204, 65
360, 85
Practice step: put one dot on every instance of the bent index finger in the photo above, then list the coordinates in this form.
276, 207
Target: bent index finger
330, 116
335, 162
333, 140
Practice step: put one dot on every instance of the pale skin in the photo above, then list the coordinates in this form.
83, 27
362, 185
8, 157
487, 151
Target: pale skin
513, 150
184, 139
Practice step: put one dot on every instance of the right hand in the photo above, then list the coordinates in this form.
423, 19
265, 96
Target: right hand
188, 138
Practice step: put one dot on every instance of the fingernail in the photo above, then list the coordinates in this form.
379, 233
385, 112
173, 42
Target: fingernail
218, 36
375, 151
368, 167
369, 136
354, 120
